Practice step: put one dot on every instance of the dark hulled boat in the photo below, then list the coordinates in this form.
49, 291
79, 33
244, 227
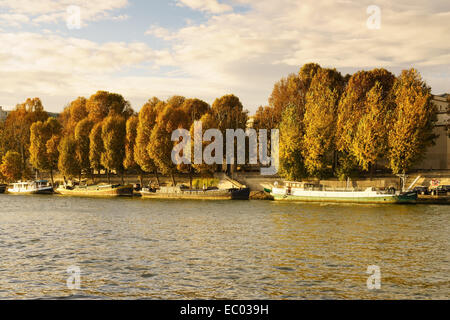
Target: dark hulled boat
196, 194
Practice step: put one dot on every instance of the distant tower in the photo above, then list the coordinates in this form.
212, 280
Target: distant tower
3, 114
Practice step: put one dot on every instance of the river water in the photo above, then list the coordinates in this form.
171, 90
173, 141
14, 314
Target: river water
136, 248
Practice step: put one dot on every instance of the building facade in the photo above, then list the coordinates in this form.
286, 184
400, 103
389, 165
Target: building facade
438, 156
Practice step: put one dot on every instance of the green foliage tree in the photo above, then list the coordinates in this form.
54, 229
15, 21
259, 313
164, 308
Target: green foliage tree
413, 121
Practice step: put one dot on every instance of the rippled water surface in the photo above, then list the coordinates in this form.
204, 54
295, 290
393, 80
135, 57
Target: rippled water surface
134, 248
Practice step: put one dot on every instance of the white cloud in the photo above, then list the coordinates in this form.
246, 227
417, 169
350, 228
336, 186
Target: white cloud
211, 6
231, 52
13, 19
52, 11
247, 52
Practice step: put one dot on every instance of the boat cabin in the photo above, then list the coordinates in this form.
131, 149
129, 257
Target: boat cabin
29, 185
303, 185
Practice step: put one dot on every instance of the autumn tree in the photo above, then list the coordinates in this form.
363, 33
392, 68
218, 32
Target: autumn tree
68, 163
266, 118
43, 154
320, 121
412, 123
52, 151
287, 91
291, 142
161, 145
11, 167
370, 141
72, 114
82, 139
16, 129
129, 162
353, 106
96, 147
146, 121
113, 136
194, 109
103, 104
208, 122
229, 114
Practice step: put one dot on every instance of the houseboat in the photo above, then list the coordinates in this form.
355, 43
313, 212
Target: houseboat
307, 192
182, 192
31, 187
107, 190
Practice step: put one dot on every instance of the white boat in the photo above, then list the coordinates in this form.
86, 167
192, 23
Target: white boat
298, 191
31, 187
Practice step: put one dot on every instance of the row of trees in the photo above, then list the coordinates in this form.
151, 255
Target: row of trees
104, 133
342, 125
329, 125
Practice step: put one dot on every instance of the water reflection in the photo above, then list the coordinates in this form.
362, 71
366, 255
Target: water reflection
133, 248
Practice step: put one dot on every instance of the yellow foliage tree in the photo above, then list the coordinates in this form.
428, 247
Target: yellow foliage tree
370, 141
82, 133
413, 121
291, 143
42, 156
146, 121
68, 164
96, 147
11, 167
113, 136
320, 121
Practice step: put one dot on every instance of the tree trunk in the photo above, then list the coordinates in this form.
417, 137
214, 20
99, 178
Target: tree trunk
157, 177
92, 176
141, 180
123, 177
190, 177
109, 177
79, 178
51, 177
173, 180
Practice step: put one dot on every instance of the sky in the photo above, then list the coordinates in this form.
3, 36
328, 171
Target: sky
61, 49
